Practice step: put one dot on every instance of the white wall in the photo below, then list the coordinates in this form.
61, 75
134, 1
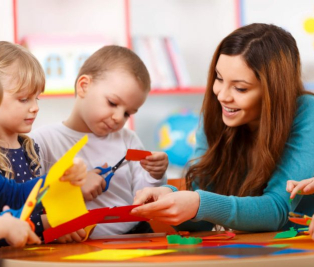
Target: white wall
6, 21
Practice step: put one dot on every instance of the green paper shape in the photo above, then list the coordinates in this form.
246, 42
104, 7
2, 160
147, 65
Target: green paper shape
177, 239
190, 241
287, 234
173, 239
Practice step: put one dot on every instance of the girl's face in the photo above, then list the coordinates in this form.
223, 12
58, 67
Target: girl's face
18, 110
107, 103
238, 91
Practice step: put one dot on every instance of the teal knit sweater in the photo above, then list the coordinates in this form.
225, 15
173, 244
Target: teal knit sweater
268, 212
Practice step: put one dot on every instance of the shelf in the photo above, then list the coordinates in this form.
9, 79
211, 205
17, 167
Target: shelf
178, 91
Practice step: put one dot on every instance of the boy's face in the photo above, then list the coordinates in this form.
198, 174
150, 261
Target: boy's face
107, 103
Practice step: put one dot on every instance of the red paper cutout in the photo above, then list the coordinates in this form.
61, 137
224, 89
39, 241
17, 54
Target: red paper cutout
103, 215
227, 235
136, 155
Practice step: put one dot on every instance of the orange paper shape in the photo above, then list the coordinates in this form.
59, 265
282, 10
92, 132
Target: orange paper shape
136, 155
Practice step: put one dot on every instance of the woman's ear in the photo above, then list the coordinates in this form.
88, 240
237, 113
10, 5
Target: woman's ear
82, 85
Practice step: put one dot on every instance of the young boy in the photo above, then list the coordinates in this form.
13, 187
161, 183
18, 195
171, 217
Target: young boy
112, 84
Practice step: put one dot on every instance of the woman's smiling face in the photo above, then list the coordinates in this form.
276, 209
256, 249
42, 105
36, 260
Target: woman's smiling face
238, 91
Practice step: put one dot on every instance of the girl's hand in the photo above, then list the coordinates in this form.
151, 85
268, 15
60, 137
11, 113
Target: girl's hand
16, 232
156, 164
76, 174
304, 187
150, 194
173, 208
77, 237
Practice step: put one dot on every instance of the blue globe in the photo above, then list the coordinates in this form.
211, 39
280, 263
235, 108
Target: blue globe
176, 136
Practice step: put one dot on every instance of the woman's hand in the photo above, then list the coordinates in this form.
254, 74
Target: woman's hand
150, 194
304, 187
172, 208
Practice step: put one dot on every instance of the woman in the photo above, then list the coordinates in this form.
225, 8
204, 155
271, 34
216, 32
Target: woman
255, 134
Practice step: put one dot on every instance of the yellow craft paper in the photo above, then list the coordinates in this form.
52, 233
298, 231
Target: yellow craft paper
118, 254
39, 248
63, 201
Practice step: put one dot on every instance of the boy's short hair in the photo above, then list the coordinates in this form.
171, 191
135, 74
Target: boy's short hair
29, 73
114, 57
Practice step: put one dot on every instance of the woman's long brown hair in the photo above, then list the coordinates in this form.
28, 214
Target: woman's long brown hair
238, 162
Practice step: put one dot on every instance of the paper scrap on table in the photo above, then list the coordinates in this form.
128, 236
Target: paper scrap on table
136, 155
63, 201
39, 248
118, 254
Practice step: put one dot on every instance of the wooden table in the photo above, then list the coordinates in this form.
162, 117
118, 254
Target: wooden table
44, 256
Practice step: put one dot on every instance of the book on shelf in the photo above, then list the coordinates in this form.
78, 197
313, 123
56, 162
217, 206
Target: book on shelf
163, 60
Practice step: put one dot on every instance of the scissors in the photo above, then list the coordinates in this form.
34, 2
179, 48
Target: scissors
111, 171
31, 202
299, 218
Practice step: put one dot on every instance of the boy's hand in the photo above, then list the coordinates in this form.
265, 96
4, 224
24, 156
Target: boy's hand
16, 232
76, 174
304, 187
77, 237
94, 185
156, 164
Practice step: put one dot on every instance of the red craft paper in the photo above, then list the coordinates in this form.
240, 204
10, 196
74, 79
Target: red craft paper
103, 215
225, 236
136, 155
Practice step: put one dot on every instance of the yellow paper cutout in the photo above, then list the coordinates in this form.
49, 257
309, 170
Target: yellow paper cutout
63, 201
118, 254
88, 230
39, 248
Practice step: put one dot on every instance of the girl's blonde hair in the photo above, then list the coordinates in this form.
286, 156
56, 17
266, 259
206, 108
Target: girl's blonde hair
29, 75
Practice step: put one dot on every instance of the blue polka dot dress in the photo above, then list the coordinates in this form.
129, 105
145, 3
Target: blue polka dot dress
22, 173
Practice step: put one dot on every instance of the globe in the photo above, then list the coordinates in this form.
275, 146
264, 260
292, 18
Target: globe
176, 136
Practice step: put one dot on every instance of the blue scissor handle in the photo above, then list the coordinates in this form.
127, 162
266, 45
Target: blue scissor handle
15, 213
108, 177
103, 170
